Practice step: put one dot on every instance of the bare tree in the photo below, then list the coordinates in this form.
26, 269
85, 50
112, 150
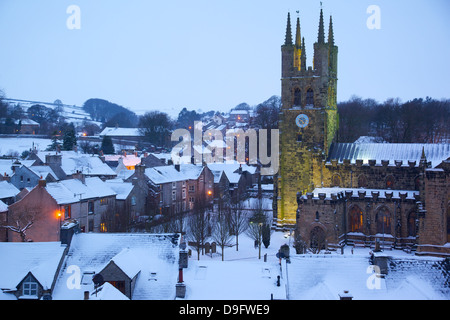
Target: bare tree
198, 226
238, 220
221, 232
257, 222
20, 222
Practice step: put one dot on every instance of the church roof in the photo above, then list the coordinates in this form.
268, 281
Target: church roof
435, 153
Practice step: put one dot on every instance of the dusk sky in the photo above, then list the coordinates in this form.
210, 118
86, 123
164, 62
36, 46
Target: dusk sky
213, 55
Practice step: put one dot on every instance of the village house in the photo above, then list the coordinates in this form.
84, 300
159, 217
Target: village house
241, 178
175, 188
89, 201
8, 192
29, 176
140, 266
130, 205
118, 266
28, 270
27, 126
65, 164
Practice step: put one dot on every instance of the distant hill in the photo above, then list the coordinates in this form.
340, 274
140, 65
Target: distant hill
71, 113
110, 114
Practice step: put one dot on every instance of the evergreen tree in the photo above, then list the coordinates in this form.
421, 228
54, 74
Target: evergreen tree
107, 145
69, 139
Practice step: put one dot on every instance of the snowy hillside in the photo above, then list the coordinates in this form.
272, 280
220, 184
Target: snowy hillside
71, 113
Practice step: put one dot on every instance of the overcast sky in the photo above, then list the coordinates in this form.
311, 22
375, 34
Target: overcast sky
214, 54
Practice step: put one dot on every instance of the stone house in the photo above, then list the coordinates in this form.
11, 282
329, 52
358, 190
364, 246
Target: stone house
48, 205
175, 188
28, 177
130, 205
29, 270
8, 192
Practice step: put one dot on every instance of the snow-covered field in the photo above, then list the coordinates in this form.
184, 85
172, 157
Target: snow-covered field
242, 276
15, 146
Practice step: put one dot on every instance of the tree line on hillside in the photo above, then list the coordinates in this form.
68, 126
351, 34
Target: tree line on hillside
415, 121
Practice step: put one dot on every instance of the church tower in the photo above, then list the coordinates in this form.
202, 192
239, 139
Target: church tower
309, 119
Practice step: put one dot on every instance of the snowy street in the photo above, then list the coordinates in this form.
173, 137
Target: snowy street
243, 276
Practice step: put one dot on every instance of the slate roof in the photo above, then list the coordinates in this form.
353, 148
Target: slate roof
167, 174
7, 190
73, 190
19, 258
155, 256
435, 153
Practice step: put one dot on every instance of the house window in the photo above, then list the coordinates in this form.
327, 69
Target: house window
191, 188
184, 193
297, 97
133, 200
310, 97
103, 201
174, 195
21, 178
119, 285
67, 212
356, 219
30, 287
174, 185
90, 207
103, 227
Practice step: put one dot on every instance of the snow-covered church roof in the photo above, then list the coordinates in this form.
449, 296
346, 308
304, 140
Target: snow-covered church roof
435, 153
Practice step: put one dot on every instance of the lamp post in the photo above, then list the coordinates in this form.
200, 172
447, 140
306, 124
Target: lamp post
260, 238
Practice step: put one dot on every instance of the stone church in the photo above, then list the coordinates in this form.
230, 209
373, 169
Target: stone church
362, 194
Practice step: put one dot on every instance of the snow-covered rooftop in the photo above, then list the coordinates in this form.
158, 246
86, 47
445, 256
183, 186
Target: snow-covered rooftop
121, 188
435, 153
154, 255
73, 190
7, 190
122, 132
166, 174
355, 191
19, 258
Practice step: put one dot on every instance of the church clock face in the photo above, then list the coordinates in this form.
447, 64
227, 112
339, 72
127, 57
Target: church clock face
302, 121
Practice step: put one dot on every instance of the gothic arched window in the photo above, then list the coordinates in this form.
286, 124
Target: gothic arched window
297, 97
310, 97
362, 181
390, 182
383, 219
355, 219
336, 181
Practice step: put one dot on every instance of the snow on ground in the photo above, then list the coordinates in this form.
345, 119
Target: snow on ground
10, 146
242, 276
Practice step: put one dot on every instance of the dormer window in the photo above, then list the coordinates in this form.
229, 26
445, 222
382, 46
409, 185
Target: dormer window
30, 288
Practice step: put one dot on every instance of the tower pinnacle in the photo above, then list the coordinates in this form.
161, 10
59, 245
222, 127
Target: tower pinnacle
288, 38
298, 37
330, 33
321, 38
